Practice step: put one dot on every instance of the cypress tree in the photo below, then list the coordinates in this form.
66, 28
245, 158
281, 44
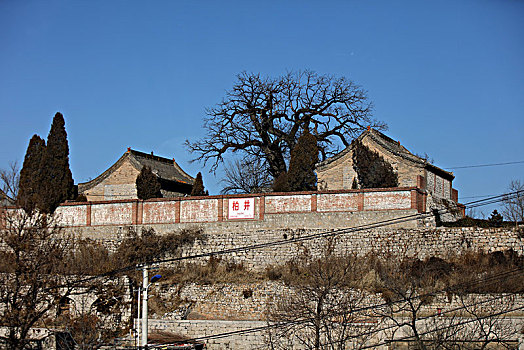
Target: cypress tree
372, 170
304, 156
147, 184
30, 193
495, 220
57, 178
281, 183
198, 186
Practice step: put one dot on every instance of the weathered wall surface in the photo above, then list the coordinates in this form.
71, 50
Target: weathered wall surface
438, 186
366, 204
202, 328
252, 301
232, 297
119, 185
339, 173
421, 242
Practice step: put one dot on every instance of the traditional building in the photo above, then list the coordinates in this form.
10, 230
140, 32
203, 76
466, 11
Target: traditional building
339, 173
119, 181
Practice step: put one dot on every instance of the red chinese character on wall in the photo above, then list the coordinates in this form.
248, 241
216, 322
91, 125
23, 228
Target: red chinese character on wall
246, 205
236, 206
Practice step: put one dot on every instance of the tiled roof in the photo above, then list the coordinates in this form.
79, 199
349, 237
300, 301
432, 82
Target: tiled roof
392, 146
164, 168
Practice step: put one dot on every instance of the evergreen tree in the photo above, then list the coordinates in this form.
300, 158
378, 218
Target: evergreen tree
495, 220
281, 183
198, 186
372, 170
304, 156
147, 184
31, 187
58, 184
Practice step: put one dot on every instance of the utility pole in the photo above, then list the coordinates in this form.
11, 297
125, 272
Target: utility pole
138, 319
145, 282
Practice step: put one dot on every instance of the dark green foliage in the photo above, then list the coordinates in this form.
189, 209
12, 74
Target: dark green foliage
30, 191
472, 222
57, 180
281, 184
495, 220
198, 186
45, 179
354, 185
372, 170
147, 184
301, 174
81, 198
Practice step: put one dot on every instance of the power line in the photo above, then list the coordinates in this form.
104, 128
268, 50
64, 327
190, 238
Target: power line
446, 327
323, 234
417, 216
484, 165
437, 314
477, 203
483, 281
482, 196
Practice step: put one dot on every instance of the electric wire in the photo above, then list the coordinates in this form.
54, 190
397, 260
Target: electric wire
484, 165
411, 217
445, 327
483, 281
324, 234
490, 200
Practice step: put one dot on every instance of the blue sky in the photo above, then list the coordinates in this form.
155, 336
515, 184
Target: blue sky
447, 76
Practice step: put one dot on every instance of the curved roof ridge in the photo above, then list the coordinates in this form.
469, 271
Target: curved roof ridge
84, 186
166, 169
340, 154
389, 145
162, 172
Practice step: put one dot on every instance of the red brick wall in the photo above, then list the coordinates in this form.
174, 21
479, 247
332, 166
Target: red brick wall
215, 208
288, 204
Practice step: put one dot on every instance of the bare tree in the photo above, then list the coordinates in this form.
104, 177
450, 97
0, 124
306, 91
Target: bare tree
320, 308
490, 322
408, 286
262, 117
246, 176
94, 318
513, 205
9, 180
31, 266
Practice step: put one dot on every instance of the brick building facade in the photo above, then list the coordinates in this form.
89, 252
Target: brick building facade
338, 172
119, 181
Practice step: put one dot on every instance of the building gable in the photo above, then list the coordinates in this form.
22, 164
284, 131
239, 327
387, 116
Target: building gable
338, 172
119, 181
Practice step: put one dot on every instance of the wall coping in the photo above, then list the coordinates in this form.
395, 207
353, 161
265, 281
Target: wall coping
245, 195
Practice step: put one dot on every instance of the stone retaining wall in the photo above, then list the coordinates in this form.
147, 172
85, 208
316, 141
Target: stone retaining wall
199, 328
420, 242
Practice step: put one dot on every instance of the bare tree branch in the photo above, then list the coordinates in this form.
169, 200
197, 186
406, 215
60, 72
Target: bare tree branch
263, 117
246, 176
513, 206
9, 180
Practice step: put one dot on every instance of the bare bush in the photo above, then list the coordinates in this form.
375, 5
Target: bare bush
321, 309
249, 175
513, 205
